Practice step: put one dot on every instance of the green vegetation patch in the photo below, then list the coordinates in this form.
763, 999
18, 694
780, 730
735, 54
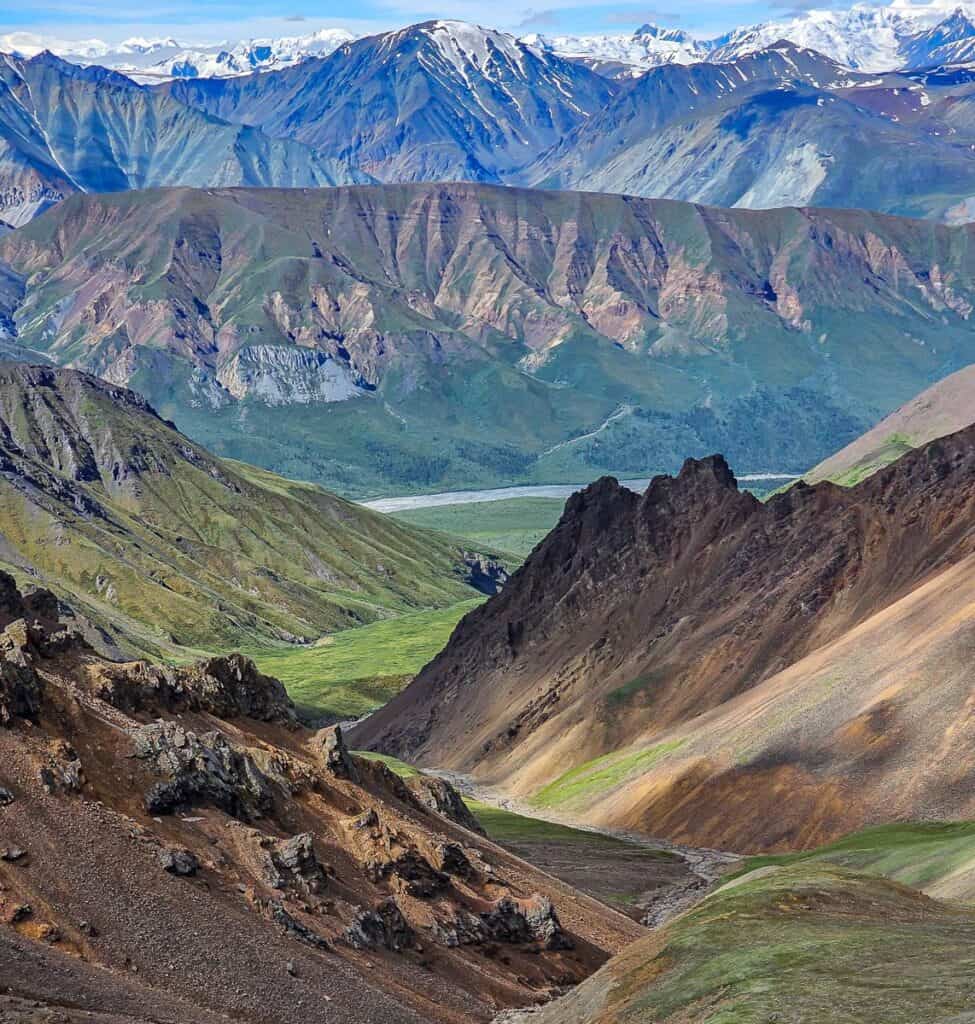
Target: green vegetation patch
890, 451
394, 764
810, 942
601, 774
918, 854
349, 674
514, 526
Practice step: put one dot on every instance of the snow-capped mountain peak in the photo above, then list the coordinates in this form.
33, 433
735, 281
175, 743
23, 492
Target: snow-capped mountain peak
864, 37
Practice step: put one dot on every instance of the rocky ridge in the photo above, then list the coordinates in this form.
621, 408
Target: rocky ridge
339, 884
670, 630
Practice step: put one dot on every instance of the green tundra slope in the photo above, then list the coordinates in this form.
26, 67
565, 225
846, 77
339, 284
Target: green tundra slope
168, 546
515, 525
396, 338
875, 927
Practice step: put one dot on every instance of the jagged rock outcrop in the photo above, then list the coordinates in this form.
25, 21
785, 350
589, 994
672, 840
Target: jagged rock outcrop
321, 903
293, 864
410, 871
329, 746
384, 926
227, 686
511, 921
440, 796
204, 769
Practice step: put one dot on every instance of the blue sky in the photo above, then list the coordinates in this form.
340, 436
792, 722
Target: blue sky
213, 20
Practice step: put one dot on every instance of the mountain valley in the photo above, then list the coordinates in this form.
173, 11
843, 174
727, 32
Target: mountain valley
487, 514
660, 658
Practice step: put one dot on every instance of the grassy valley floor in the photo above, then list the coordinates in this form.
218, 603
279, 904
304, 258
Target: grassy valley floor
514, 526
348, 674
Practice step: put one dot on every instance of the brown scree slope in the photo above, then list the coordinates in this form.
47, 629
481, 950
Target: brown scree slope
173, 846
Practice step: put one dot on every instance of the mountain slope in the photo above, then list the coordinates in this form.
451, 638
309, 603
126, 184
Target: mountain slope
661, 659
442, 100
844, 947
941, 409
163, 544
67, 129
176, 845
339, 334
782, 126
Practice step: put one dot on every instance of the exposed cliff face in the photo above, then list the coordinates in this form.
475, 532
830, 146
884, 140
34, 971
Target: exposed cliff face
692, 640
507, 334
277, 375
172, 839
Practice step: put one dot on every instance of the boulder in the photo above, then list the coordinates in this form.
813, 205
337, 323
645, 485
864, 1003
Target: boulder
293, 864
178, 861
535, 921
384, 926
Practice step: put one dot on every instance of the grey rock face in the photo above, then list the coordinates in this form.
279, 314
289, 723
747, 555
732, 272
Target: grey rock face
383, 926
200, 770
293, 864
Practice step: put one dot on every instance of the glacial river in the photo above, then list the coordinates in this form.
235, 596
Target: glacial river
563, 491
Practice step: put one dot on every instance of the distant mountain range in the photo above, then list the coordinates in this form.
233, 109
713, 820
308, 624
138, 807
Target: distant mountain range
440, 101
783, 126
866, 37
148, 60
402, 337
66, 129
447, 101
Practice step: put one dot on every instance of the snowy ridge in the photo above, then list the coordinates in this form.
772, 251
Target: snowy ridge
864, 37
153, 60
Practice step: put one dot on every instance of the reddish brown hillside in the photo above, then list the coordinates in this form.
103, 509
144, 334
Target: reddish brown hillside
639, 614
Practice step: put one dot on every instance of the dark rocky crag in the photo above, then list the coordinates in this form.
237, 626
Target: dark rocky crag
639, 614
